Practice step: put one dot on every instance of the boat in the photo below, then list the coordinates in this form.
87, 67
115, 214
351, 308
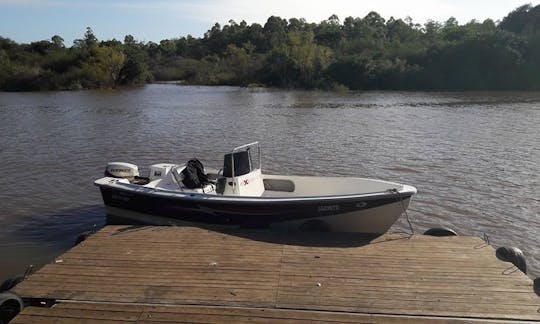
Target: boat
240, 194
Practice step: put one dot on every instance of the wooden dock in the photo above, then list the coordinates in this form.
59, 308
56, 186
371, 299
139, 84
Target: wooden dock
126, 274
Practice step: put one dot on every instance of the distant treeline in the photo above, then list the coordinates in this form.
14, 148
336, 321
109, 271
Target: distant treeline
356, 53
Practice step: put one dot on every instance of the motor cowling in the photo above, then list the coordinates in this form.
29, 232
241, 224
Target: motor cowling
122, 170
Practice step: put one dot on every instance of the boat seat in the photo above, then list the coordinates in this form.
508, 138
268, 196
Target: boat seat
283, 185
220, 185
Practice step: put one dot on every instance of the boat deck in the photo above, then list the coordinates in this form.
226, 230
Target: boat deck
186, 274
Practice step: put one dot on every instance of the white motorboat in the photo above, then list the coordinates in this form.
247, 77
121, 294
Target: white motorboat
240, 194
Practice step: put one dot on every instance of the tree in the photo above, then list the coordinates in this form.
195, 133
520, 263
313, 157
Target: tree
375, 24
517, 21
299, 62
329, 32
58, 41
103, 68
89, 38
238, 59
41, 47
360, 53
400, 31
275, 32
88, 41
215, 39
135, 68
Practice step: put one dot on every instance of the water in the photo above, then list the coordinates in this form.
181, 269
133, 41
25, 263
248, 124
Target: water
474, 157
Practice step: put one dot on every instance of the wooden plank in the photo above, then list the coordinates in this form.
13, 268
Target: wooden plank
193, 268
406, 276
392, 274
117, 313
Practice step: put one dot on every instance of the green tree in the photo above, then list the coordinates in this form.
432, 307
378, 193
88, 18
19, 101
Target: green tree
521, 20
275, 32
103, 68
360, 53
58, 41
299, 62
88, 41
135, 69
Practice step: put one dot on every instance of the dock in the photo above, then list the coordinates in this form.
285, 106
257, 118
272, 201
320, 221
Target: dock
130, 274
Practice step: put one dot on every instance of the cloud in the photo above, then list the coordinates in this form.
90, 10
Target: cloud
315, 11
210, 11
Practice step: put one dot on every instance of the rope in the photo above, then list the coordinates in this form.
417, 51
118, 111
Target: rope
28, 271
395, 192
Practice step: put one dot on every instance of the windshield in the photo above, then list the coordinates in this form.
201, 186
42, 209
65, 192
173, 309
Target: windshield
243, 160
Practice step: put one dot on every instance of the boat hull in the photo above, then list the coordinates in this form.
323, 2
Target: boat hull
373, 213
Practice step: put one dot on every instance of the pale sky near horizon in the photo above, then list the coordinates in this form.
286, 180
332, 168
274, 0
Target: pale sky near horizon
31, 20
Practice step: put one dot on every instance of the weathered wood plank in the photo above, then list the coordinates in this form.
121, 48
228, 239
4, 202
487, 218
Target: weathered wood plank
309, 276
118, 313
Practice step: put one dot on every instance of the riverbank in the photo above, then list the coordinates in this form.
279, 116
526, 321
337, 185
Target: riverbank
357, 53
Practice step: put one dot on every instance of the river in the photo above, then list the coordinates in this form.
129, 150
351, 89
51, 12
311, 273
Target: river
474, 157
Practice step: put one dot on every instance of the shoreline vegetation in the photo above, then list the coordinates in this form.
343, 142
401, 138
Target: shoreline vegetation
357, 53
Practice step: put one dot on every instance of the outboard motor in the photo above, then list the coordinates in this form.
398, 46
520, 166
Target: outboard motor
122, 170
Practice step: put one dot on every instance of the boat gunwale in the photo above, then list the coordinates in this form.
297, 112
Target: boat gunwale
406, 192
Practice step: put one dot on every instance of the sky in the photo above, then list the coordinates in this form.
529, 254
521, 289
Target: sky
25, 21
